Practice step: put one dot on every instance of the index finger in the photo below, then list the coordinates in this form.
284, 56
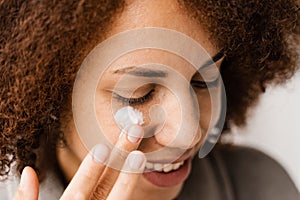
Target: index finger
86, 177
127, 143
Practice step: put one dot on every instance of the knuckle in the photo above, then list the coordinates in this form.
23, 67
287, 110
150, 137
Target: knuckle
99, 194
102, 190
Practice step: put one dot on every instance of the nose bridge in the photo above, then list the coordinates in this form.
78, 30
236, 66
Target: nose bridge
182, 124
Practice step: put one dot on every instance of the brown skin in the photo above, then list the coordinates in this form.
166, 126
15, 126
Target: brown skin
35, 50
140, 14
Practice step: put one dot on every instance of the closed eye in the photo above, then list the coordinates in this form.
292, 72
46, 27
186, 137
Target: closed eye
134, 101
204, 85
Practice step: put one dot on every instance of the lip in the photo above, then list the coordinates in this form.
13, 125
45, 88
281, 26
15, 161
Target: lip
185, 156
169, 179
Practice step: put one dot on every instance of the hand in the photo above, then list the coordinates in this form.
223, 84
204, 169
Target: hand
95, 180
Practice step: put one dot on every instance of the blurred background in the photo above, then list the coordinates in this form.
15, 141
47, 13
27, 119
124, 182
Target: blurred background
274, 127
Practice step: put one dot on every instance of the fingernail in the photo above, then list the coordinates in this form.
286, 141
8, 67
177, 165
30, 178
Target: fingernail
137, 160
135, 133
24, 178
100, 153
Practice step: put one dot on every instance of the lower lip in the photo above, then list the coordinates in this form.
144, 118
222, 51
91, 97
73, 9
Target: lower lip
169, 179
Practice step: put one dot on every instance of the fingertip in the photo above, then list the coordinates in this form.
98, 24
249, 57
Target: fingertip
26, 176
100, 153
135, 133
29, 183
137, 161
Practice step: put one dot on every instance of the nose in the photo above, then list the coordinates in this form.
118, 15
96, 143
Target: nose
181, 128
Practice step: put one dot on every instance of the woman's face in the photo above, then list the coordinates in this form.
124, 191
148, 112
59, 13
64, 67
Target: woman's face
115, 90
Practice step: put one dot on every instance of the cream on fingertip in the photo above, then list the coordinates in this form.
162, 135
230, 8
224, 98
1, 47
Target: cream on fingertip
128, 116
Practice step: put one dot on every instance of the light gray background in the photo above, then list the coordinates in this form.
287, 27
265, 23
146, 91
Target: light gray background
274, 126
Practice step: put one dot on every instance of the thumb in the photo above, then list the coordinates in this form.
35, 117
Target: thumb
29, 185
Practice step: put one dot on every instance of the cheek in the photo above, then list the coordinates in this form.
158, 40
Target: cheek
104, 113
210, 108
73, 140
205, 106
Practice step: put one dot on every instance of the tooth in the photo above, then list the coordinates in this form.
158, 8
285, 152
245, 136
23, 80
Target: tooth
176, 166
167, 167
149, 165
181, 163
158, 167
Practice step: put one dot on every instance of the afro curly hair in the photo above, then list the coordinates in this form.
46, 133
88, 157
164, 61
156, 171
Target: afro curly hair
42, 44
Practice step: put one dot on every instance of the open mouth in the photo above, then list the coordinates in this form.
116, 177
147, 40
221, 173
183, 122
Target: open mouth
160, 167
167, 175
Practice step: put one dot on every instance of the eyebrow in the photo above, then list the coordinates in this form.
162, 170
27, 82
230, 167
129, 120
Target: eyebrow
148, 73
143, 72
132, 70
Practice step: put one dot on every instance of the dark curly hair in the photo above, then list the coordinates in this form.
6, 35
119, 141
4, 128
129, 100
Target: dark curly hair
42, 44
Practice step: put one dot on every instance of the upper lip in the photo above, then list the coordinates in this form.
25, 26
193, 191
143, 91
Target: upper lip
186, 155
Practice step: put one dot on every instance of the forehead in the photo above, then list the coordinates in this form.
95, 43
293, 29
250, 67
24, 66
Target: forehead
165, 14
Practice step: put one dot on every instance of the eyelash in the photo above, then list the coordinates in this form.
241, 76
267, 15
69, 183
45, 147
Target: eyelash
133, 101
148, 96
204, 85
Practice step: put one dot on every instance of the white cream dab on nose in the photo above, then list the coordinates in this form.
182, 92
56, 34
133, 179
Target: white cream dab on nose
128, 116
